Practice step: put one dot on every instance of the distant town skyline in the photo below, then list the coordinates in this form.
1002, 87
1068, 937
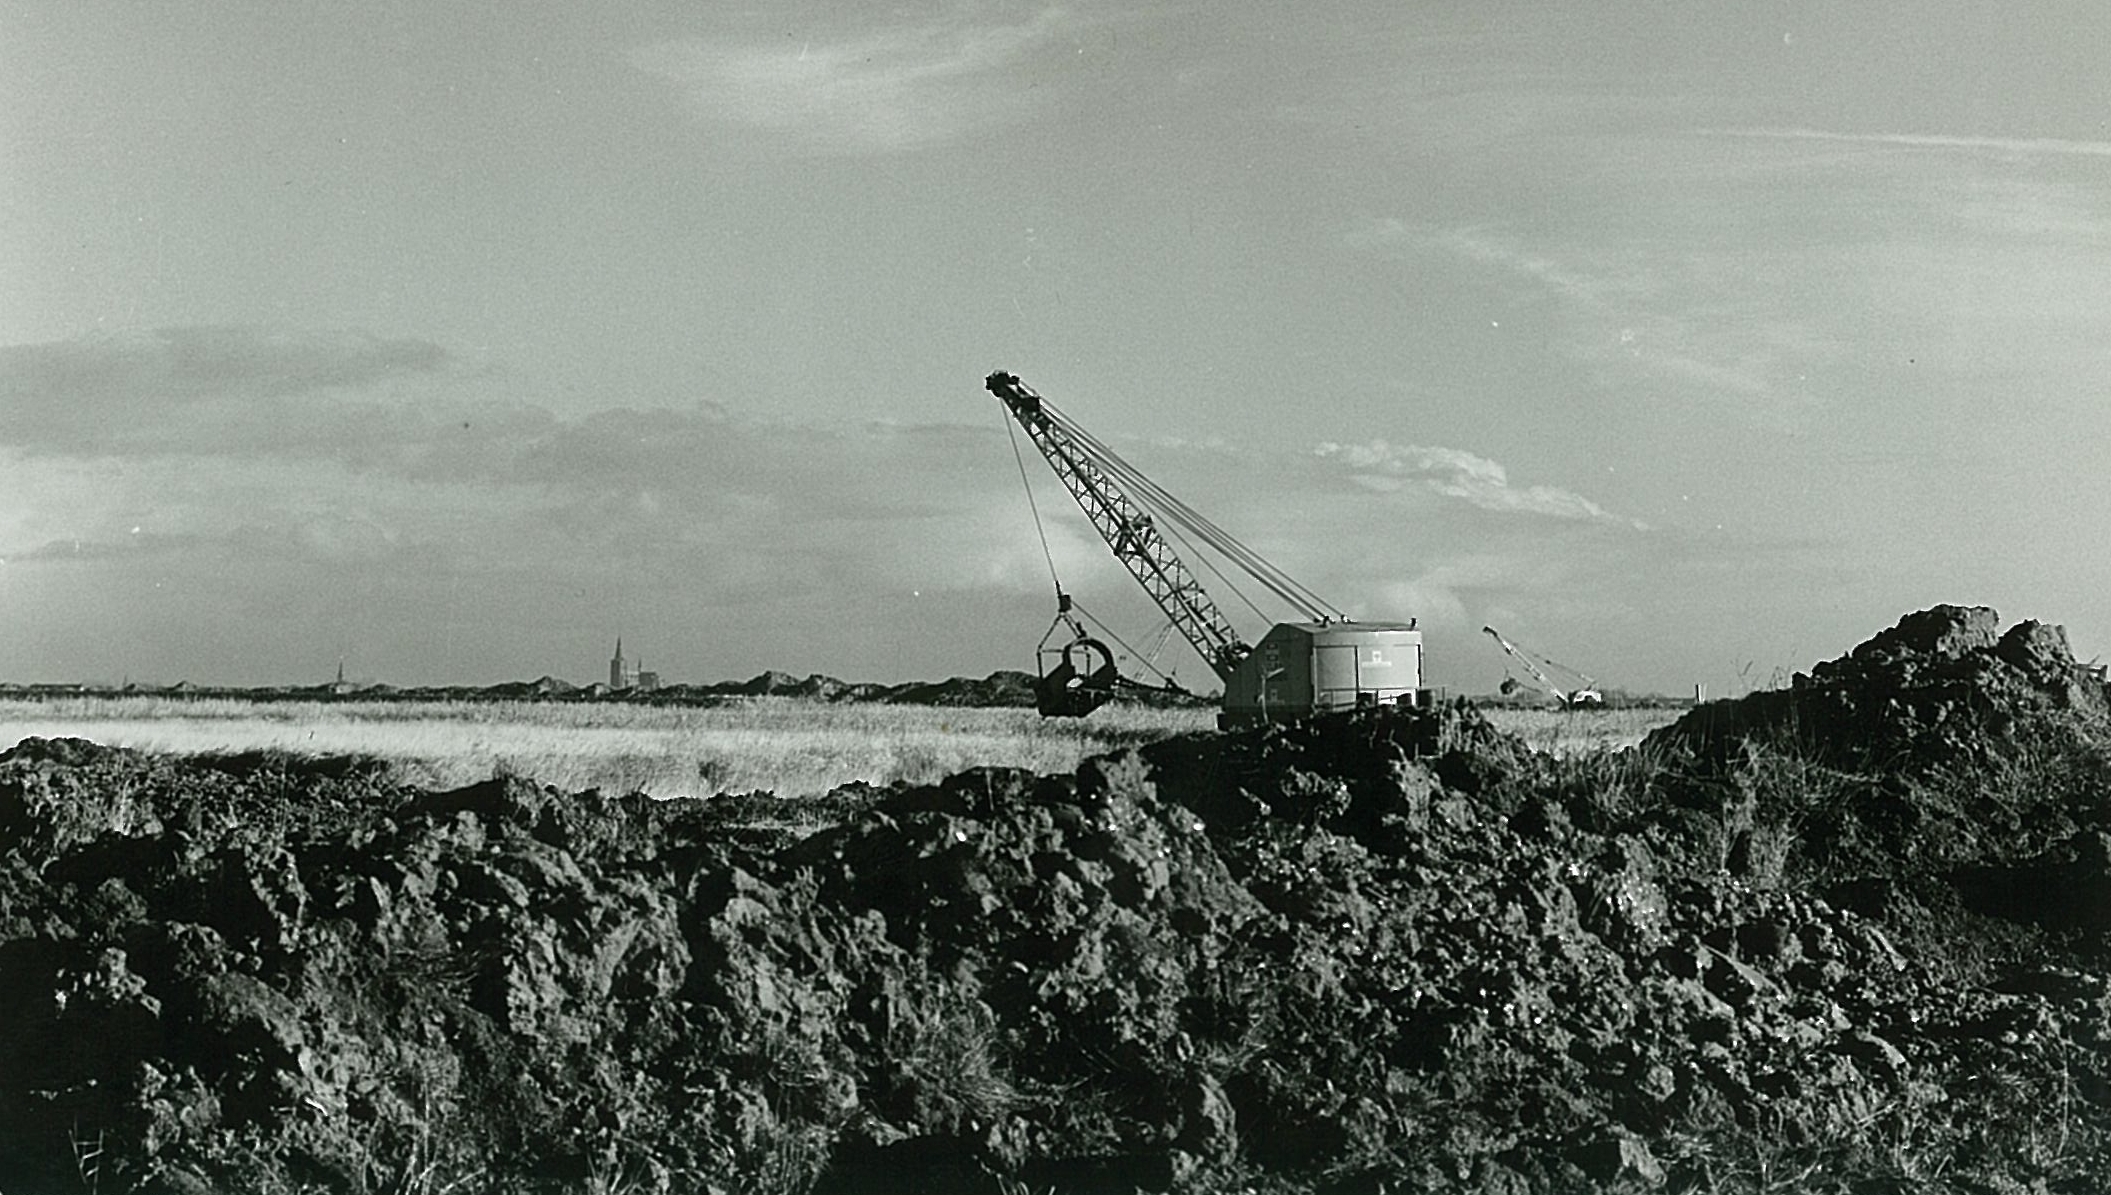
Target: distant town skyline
1683, 344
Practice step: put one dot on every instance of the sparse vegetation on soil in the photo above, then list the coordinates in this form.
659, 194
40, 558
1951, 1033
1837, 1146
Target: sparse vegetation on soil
1845, 937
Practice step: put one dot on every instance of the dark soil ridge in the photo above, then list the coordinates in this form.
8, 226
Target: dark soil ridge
1790, 944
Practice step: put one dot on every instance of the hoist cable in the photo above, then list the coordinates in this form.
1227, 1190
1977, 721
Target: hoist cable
1104, 629
1158, 642
1580, 675
1035, 507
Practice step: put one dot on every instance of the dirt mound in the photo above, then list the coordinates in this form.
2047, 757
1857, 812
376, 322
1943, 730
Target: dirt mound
1002, 688
1941, 759
1386, 951
1939, 685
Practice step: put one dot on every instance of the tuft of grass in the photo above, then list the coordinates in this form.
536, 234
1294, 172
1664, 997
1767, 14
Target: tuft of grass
946, 1048
1775, 792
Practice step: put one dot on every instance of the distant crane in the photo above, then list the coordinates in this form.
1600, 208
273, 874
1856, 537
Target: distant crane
1584, 695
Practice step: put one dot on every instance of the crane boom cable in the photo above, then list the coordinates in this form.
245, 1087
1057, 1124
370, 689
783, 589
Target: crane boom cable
1277, 581
1035, 507
1216, 572
1236, 554
1578, 673
1174, 530
1128, 529
1158, 642
1274, 578
1104, 629
1156, 498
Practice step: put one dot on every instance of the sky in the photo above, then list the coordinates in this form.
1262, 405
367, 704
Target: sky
1685, 344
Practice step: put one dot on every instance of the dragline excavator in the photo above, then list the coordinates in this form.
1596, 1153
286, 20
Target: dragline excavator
1585, 695
1325, 662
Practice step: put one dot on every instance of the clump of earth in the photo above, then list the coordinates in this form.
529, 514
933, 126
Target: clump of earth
1850, 936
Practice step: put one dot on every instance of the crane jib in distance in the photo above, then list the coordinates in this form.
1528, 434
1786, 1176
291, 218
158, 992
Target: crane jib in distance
1586, 695
1297, 668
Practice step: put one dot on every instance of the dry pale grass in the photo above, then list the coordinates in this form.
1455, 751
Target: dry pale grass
1580, 732
779, 745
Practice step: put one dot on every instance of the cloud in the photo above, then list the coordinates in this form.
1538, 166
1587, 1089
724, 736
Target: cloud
1917, 248
2026, 210
1463, 587
1455, 473
277, 449
132, 545
1692, 319
2026, 146
180, 388
696, 519
1595, 289
904, 87
210, 360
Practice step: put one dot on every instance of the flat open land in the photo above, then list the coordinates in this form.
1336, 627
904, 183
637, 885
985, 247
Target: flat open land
787, 746
1846, 937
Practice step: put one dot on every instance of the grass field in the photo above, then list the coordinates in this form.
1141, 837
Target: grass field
785, 746
1575, 732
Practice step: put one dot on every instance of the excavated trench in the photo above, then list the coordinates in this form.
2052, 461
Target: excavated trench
1847, 936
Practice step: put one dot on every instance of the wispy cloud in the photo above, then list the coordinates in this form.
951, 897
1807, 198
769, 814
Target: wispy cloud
134, 544
117, 452
2054, 213
2003, 145
1683, 317
1592, 287
906, 86
1455, 473
179, 389
186, 362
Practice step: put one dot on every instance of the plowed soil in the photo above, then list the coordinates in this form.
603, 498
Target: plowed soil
1847, 936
